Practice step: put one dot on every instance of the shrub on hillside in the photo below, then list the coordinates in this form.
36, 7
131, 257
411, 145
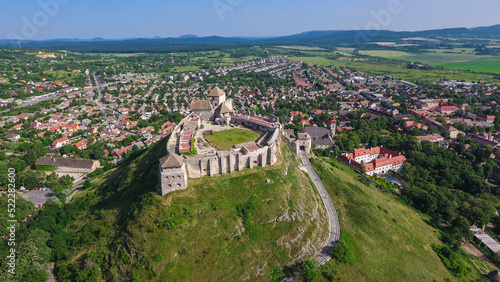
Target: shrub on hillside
343, 250
451, 261
309, 270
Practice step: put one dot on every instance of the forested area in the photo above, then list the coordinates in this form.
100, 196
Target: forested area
47, 238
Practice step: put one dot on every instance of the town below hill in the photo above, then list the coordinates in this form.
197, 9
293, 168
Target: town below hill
105, 119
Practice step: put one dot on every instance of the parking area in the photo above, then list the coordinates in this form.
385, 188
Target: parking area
38, 197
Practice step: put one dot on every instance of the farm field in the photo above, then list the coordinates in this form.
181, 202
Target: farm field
430, 57
316, 60
114, 54
489, 65
397, 68
306, 48
186, 69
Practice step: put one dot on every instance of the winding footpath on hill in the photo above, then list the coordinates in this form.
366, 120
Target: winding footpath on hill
333, 220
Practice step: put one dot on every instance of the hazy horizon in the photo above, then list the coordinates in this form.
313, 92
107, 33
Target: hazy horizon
69, 19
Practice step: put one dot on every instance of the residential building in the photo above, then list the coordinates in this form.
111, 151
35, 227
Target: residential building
60, 142
378, 160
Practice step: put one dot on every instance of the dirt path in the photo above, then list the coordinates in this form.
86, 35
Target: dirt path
50, 270
471, 249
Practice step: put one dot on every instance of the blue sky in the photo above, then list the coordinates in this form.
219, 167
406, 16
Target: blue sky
126, 18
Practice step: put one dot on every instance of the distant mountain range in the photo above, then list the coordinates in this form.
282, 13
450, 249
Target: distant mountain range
346, 38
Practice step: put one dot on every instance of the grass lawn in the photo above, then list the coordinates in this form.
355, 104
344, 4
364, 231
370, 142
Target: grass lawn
224, 140
392, 242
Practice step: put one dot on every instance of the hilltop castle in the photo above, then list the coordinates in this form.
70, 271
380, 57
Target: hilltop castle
189, 156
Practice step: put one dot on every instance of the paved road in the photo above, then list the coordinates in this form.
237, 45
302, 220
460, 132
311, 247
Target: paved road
53, 97
100, 104
333, 220
100, 87
76, 187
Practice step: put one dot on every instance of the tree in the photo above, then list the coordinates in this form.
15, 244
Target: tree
53, 200
463, 226
66, 150
33, 254
30, 157
87, 184
309, 270
441, 120
496, 222
374, 140
51, 179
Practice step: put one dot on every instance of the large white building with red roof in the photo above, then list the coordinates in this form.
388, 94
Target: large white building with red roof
378, 160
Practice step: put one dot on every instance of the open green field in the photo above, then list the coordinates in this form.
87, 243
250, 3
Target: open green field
225, 228
224, 140
430, 57
114, 54
186, 69
226, 61
392, 241
301, 48
381, 67
316, 60
346, 49
386, 53
489, 65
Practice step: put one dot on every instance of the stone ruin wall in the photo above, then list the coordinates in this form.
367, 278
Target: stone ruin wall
221, 162
229, 161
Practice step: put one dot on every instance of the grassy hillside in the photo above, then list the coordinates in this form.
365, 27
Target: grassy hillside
391, 241
230, 227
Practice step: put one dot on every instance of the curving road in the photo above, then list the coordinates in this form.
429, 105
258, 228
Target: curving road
333, 220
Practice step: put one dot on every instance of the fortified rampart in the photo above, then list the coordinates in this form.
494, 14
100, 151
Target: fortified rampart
263, 152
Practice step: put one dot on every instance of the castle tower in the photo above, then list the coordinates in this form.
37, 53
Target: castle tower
303, 143
173, 175
216, 97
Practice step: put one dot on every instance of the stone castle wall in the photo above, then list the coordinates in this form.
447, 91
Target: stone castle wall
222, 162
230, 161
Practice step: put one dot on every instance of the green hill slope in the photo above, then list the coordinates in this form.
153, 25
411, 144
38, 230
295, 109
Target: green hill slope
391, 241
231, 227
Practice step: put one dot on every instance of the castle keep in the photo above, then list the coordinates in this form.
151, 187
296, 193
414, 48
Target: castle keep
190, 156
